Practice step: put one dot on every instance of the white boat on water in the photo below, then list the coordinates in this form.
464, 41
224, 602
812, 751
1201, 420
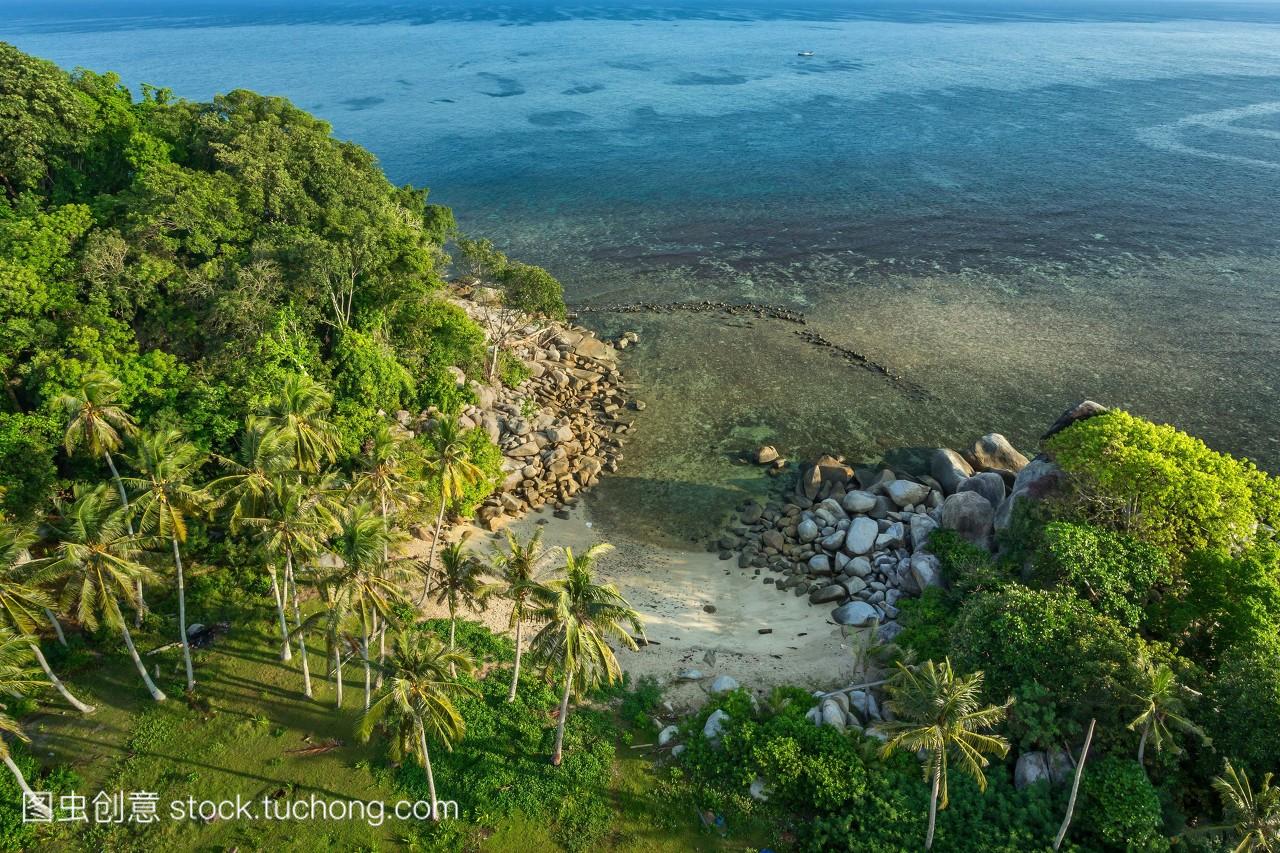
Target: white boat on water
805, 53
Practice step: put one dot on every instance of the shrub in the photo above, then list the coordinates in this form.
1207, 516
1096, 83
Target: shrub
1119, 808
27, 474
511, 370
1019, 636
1228, 603
1113, 572
926, 624
1246, 693
1163, 485
965, 566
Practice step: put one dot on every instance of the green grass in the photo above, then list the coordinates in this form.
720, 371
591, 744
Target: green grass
241, 733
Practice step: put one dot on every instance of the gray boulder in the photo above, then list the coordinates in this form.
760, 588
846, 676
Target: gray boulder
853, 585
926, 570
714, 726
807, 530
820, 564
667, 735
921, 527
832, 715
906, 493
723, 684
971, 515
1081, 411
993, 452
858, 501
1034, 482
861, 537
855, 614
948, 468
828, 594
860, 566
1032, 767
989, 484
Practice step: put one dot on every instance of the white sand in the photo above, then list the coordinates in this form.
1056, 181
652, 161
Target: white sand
670, 588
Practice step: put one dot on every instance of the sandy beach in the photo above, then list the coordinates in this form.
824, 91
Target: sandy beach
672, 589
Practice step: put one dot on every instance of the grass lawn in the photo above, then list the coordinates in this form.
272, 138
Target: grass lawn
244, 735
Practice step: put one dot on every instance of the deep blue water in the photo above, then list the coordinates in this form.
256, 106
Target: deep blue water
1014, 204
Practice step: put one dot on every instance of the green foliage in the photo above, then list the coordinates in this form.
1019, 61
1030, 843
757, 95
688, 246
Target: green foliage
1020, 636
486, 456
1228, 605
966, 566
43, 120
511, 370
926, 624
1117, 574
532, 290
1119, 808
1163, 485
28, 445
1246, 693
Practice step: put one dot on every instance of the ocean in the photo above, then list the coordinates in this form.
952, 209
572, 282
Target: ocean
1007, 206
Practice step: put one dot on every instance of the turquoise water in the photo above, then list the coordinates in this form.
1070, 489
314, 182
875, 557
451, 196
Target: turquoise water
1010, 205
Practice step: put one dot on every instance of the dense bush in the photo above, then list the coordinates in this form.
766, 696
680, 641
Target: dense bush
1246, 693
1228, 605
1119, 808
926, 624
1163, 485
1086, 662
27, 474
1115, 573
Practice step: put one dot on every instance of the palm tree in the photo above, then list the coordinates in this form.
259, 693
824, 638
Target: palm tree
97, 423
166, 496
1163, 708
579, 617
451, 467
384, 479
299, 412
938, 712
291, 530
1254, 816
247, 491
14, 676
95, 564
516, 570
460, 584
418, 699
328, 580
22, 602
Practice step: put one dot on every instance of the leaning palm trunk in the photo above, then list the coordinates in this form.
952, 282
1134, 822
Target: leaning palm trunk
128, 524
515, 673
1075, 788
182, 617
564, 715
292, 587
337, 670
426, 765
453, 624
286, 651
57, 626
933, 807
156, 693
57, 683
1142, 743
382, 651
368, 672
431, 555
29, 796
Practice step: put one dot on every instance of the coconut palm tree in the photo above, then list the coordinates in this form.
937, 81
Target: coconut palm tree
1163, 709
449, 461
366, 583
22, 602
15, 676
328, 580
299, 412
580, 617
418, 699
940, 713
98, 424
291, 531
516, 570
166, 496
460, 584
1254, 816
383, 478
95, 565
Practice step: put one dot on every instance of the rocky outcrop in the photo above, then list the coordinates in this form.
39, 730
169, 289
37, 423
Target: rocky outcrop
560, 429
